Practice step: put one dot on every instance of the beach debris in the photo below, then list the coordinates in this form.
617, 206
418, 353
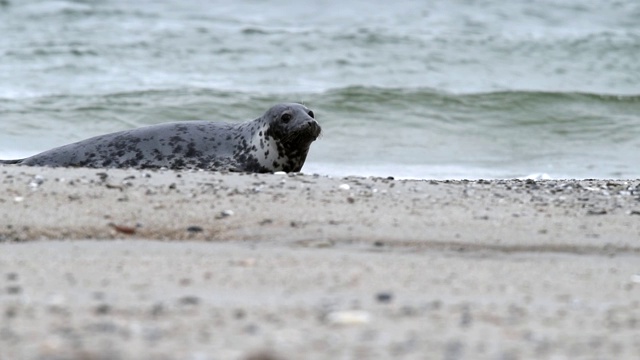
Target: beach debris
348, 317
279, 173
195, 229
344, 187
123, 229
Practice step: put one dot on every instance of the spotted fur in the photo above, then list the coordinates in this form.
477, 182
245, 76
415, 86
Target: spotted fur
279, 140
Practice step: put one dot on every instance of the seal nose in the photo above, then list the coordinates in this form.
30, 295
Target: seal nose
314, 127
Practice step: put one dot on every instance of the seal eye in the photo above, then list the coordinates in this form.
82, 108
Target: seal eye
311, 114
286, 118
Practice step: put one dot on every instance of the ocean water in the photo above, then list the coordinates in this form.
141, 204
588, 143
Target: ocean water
412, 89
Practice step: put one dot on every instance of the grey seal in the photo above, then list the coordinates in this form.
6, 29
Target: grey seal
279, 140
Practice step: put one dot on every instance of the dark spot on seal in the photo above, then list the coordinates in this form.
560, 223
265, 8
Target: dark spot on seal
178, 164
191, 150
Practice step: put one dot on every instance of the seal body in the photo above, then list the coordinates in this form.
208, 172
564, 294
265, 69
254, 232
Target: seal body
279, 140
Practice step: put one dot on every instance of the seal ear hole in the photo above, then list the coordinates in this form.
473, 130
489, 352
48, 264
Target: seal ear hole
311, 114
285, 118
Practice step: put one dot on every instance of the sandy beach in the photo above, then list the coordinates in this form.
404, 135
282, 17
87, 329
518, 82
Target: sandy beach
128, 264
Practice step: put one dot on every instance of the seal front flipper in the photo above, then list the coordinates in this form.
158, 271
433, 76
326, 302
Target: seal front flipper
7, 162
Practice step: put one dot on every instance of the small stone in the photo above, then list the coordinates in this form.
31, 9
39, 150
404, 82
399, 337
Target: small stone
36, 181
189, 300
225, 213
344, 187
12, 276
157, 309
384, 297
195, 229
239, 314
102, 309
351, 199
596, 212
349, 317
14, 289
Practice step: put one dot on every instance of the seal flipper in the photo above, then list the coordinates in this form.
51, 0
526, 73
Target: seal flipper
7, 162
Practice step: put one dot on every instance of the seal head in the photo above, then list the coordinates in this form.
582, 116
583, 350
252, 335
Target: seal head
285, 138
279, 140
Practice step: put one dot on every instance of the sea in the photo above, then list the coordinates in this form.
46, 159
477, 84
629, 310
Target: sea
442, 89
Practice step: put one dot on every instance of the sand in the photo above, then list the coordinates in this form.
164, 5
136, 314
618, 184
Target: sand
127, 264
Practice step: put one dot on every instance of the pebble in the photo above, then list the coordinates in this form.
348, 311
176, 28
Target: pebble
194, 229
36, 181
384, 297
344, 187
226, 213
349, 317
12, 276
14, 289
102, 309
189, 300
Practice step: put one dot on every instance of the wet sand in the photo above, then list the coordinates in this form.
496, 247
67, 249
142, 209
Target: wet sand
122, 264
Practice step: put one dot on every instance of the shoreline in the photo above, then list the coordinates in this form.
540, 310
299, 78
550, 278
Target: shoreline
117, 264
213, 206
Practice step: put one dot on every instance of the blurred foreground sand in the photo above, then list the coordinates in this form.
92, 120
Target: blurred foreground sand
123, 264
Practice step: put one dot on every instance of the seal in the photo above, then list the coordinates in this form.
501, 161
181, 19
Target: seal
279, 140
